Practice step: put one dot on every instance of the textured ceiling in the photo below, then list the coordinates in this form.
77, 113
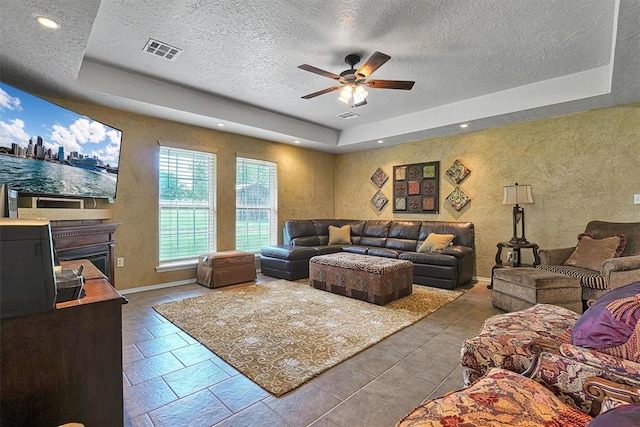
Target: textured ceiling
485, 63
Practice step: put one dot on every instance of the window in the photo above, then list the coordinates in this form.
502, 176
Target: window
187, 204
256, 204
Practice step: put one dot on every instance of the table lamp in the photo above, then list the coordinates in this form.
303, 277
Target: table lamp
517, 195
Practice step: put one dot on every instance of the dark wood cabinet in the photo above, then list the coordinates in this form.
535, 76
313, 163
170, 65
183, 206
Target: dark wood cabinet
65, 365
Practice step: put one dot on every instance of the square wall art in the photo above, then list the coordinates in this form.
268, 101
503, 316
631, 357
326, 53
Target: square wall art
416, 188
458, 199
379, 177
379, 200
458, 172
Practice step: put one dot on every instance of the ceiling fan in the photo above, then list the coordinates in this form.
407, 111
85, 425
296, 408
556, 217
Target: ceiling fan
353, 83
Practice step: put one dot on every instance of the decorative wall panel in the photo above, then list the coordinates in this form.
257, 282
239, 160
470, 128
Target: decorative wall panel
416, 188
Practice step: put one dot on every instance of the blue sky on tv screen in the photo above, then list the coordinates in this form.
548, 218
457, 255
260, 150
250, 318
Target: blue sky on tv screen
24, 117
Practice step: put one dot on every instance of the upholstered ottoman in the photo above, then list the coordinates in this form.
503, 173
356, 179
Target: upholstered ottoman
226, 268
368, 278
516, 289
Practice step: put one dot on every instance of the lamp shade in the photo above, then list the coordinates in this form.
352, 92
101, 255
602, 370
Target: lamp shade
517, 195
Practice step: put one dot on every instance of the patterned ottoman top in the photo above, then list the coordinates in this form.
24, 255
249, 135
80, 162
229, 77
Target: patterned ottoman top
368, 263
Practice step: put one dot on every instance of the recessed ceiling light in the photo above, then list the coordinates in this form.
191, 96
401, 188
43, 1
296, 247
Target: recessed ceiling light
296, 142
221, 125
47, 22
464, 125
380, 141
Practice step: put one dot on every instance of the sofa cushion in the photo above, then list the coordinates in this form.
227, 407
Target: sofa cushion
383, 252
306, 241
356, 249
321, 226
588, 278
610, 321
591, 253
600, 229
436, 242
288, 252
429, 258
298, 228
357, 225
406, 230
340, 235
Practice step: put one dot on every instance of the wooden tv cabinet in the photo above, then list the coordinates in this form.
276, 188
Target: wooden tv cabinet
65, 365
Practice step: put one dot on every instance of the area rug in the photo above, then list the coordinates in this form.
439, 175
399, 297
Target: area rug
281, 334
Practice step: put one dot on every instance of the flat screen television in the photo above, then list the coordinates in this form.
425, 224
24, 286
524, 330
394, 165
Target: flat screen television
48, 150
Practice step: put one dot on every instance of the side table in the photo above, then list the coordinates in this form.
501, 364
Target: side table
517, 260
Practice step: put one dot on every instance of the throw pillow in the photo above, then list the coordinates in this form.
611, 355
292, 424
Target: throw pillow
610, 321
621, 416
436, 242
591, 253
340, 235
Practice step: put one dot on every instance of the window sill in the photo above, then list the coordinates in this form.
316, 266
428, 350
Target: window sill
178, 265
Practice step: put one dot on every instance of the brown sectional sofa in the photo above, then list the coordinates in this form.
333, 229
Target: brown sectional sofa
303, 239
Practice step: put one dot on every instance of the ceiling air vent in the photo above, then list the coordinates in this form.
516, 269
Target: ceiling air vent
348, 115
162, 49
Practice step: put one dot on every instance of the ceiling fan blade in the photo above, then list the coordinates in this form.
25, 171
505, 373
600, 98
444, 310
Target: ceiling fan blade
376, 61
390, 84
322, 92
315, 70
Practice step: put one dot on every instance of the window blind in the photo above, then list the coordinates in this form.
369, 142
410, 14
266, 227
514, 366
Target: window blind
256, 204
187, 205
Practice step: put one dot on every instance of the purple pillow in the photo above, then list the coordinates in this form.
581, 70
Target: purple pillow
622, 416
601, 328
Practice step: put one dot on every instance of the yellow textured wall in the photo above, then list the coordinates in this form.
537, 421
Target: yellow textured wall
305, 181
582, 167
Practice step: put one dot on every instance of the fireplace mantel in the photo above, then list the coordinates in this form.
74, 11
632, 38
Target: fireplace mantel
92, 240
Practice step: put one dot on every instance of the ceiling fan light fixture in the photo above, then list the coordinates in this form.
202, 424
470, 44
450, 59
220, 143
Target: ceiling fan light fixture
353, 82
345, 94
359, 95
359, 103
357, 99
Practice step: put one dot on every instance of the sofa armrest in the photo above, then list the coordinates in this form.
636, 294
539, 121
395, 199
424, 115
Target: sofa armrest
457, 251
621, 271
538, 345
566, 378
555, 256
601, 389
623, 367
620, 264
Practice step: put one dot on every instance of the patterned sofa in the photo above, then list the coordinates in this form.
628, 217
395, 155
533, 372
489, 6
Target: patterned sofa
449, 268
607, 273
605, 340
535, 398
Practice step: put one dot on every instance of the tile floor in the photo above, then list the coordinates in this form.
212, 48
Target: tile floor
171, 380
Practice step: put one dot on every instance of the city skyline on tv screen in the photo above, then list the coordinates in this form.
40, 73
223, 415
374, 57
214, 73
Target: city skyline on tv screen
50, 150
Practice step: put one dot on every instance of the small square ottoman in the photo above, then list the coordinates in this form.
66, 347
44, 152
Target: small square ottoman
226, 268
516, 289
368, 278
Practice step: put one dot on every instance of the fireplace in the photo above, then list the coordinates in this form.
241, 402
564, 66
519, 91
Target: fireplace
92, 240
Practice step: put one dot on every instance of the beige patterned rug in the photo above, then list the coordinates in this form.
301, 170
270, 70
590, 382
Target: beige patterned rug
282, 333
